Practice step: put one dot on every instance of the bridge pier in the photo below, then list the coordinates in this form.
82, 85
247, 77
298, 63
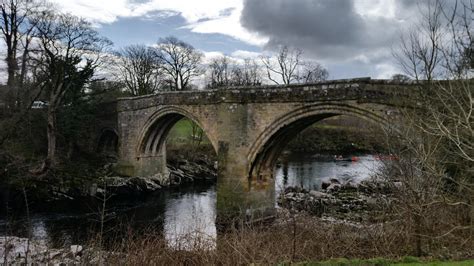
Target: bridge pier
152, 165
240, 197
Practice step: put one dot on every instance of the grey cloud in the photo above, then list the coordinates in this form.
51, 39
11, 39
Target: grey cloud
325, 29
303, 18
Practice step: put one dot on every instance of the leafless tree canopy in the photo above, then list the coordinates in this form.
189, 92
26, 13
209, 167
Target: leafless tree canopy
12, 19
435, 138
285, 67
179, 61
224, 72
16, 28
220, 72
288, 67
140, 69
311, 72
247, 74
458, 46
440, 46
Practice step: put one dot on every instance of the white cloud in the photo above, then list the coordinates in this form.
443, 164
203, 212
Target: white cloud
107, 11
223, 17
191, 10
104, 11
208, 56
203, 16
385, 71
245, 54
376, 8
229, 24
238, 56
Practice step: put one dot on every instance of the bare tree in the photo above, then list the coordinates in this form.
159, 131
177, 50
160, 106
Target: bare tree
457, 50
140, 69
287, 67
247, 74
179, 61
219, 72
284, 66
451, 103
16, 28
419, 53
11, 21
69, 52
435, 138
311, 72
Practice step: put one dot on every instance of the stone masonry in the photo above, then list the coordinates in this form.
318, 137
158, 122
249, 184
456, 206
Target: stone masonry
248, 128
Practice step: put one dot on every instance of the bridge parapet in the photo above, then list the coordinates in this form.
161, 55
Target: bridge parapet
336, 90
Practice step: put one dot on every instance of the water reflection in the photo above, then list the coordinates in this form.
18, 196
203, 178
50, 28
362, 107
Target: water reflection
306, 172
190, 221
185, 215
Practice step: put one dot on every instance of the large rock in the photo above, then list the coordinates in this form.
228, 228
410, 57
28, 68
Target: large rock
15, 249
128, 185
76, 250
18, 251
318, 194
181, 171
340, 201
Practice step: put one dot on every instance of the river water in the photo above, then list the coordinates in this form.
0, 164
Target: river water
184, 212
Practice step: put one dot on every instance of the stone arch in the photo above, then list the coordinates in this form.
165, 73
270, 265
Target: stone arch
157, 127
108, 141
271, 142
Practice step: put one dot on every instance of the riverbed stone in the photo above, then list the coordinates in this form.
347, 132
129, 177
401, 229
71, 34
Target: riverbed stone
54, 254
318, 194
341, 201
76, 250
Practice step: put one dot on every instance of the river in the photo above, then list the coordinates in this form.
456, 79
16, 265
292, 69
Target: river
175, 212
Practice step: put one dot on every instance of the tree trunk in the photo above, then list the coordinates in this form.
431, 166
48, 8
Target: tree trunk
418, 240
11, 65
51, 133
71, 149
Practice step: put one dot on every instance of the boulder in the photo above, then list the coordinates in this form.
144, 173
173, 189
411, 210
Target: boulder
76, 250
318, 194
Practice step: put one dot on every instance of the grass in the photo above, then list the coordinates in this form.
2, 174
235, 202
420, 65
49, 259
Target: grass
405, 261
316, 242
182, 133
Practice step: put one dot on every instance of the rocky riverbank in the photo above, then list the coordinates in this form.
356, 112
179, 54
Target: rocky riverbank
61, 186
347, 201
182, 171
20, 251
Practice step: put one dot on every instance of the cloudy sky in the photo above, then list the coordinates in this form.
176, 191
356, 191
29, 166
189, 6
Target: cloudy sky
352, 38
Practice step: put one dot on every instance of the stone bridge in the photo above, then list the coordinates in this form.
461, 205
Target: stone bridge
248, 128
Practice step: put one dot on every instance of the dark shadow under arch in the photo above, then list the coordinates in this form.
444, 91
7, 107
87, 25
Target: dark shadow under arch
108, 142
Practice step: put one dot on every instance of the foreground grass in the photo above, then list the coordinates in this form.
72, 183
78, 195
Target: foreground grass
405, 261
304, 240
